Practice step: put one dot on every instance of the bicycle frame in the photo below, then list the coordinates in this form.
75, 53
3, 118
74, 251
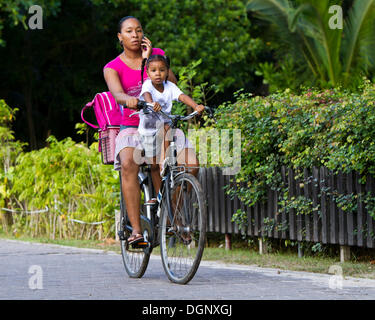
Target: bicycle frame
169, 163
170, 222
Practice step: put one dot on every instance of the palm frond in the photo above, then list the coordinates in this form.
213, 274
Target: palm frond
269, 8
277, 13
331, 54
359, 33
302, 28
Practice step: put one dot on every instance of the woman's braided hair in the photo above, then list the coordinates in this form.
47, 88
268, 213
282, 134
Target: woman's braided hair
155, 57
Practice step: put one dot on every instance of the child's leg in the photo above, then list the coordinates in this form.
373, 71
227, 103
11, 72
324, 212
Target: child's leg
149, 145
167, 138
156, 179
155, 175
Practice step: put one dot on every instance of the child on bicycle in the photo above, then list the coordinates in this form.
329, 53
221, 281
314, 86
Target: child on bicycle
158, 90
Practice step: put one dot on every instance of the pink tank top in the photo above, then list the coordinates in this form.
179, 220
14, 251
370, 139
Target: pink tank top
131, 83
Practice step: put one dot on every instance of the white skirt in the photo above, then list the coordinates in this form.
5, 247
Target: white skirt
130, 138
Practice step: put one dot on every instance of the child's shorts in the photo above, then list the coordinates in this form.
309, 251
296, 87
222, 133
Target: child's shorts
150, 145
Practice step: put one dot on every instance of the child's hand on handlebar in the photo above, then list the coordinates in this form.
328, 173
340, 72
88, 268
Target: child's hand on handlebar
199, 108
157, 106
132, 103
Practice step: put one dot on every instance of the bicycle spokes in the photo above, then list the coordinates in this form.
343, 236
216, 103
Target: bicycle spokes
183, 236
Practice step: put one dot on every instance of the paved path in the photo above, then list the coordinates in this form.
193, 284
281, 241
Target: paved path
74, 273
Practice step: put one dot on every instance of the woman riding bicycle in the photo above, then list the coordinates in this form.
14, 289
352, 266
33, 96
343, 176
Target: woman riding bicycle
124, 80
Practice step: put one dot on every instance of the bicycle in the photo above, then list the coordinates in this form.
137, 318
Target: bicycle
177, 221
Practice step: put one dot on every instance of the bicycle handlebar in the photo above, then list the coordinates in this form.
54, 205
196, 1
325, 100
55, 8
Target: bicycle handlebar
147, 107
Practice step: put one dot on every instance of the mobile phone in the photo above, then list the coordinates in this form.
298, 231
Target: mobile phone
143, 46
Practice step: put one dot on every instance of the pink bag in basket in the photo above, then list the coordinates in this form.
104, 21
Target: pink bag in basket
108, 115
107, 111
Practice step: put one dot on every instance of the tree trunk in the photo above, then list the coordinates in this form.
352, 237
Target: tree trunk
30, 120
6, 218
28, 90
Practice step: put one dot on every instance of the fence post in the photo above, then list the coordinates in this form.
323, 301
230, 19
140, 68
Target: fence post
344, 253
228, 241
300, 250
263, 247
117, 224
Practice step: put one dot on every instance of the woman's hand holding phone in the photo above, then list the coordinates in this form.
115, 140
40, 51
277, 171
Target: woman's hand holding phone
146, 47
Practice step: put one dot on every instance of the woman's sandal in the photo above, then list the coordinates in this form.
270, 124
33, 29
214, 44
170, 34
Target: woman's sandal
135, 238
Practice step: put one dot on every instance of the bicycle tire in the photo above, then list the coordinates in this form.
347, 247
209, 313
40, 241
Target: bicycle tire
135, 259
182, 241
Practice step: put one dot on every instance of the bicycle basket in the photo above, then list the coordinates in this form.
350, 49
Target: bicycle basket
107, 143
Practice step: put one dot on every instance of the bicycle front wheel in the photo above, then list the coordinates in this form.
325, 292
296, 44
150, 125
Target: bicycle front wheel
183, 236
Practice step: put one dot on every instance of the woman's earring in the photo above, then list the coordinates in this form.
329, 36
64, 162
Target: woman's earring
121, 43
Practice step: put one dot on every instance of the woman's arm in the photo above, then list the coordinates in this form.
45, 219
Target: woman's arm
172, 77
191, 103
114, 85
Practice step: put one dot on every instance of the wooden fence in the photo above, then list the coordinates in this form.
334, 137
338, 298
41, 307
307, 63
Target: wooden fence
328, 225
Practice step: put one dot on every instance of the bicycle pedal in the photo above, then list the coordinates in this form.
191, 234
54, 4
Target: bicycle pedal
170, 232
140, 245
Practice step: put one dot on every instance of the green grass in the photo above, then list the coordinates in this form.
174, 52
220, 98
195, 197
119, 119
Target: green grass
290, 261
91, 244
281, 259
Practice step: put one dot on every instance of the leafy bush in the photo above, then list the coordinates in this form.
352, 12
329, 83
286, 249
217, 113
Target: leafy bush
331, 128
69, 179
9, 149
66, 177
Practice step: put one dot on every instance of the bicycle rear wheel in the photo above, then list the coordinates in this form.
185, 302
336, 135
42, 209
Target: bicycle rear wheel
135, 258
182, 240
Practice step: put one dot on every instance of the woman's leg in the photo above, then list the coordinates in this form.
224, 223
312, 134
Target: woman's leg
130, 188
